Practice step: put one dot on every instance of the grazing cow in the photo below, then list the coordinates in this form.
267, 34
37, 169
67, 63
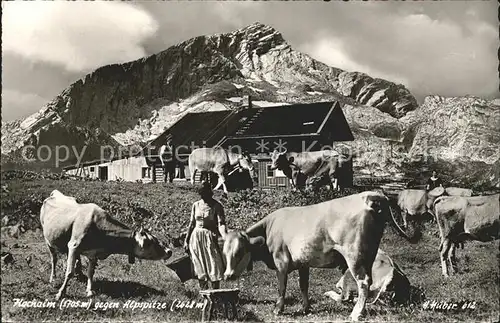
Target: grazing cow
314, 166
345, 230
219, 161
414, 202
74, 228
457, 191
465, 218
387, 277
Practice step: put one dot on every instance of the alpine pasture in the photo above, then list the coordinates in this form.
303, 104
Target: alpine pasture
165, 209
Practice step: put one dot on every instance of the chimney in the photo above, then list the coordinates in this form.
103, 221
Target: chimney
246, 102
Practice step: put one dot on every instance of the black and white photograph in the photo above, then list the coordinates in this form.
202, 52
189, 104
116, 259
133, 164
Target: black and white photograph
253, 161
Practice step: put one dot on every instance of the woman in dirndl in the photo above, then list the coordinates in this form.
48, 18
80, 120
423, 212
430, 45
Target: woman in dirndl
206, 226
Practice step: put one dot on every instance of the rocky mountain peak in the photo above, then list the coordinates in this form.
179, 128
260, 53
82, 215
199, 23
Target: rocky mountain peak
260, 35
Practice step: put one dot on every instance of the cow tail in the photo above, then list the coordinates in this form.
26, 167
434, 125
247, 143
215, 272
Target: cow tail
439, 222
436, 201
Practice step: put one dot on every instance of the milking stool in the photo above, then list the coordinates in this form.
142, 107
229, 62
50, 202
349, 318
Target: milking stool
225, 298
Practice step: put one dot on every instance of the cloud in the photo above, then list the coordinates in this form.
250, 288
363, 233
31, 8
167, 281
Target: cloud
16, 104
442, 56
445, 47
78, 35
332, 51
429, 55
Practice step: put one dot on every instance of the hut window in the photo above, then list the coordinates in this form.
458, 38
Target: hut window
278, 173
92, 169
146, 172
270, 172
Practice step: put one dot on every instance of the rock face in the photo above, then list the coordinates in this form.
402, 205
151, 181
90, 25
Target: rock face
391, 98
452, 128
132, 103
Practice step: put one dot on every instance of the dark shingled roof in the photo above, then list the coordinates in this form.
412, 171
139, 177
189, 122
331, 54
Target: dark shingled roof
298, 127
287, 120
193, 129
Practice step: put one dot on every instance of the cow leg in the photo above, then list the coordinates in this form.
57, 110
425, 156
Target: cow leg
72, 255
282, 280
342, 286
444, 249
53, 255
345, 294
193, 174
90, 275
404, 215
304, 288
78, 269
221, 182
225, 188
361, 274
334, 184
452, 259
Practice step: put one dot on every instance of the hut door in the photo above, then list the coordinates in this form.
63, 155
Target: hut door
103, 173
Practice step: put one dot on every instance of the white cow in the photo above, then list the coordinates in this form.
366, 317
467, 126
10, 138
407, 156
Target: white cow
345, 230
73, 228
219, 161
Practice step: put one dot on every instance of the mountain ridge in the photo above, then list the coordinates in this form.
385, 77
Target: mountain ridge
131, 103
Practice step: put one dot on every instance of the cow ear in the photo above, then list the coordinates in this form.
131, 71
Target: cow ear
291, 159
257, 241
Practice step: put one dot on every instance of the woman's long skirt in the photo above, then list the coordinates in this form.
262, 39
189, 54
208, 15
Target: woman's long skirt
205, 255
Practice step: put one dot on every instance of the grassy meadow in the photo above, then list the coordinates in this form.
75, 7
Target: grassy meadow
164, 208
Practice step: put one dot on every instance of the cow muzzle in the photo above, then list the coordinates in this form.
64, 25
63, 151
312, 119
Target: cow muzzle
234, 272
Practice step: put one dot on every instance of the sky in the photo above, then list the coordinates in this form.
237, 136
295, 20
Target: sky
444, 48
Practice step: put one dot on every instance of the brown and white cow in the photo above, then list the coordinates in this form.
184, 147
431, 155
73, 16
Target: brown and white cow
465, 218
85, 229
313, 165
345, 230
387, 277
219, 161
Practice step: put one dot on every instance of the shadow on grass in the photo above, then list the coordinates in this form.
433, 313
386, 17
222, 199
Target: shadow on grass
244, 315
117, 289
272, 301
